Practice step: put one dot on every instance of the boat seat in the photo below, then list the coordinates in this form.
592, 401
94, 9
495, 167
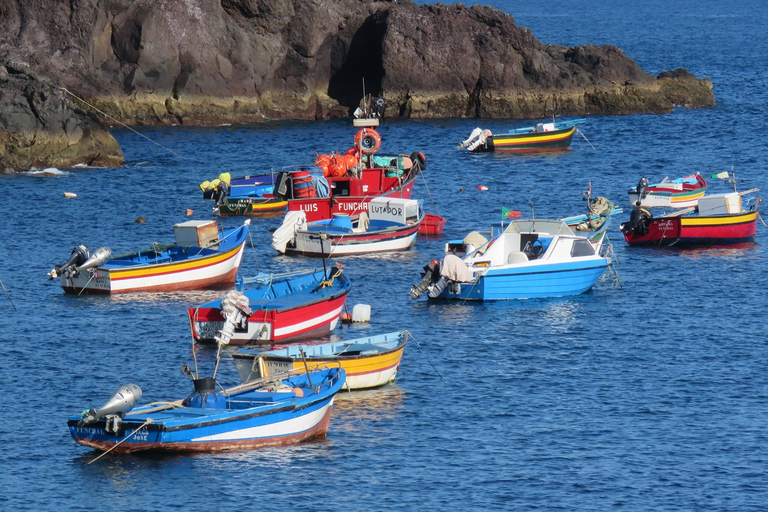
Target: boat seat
517, 257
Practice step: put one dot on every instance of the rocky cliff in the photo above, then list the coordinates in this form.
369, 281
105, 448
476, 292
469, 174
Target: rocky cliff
212, 61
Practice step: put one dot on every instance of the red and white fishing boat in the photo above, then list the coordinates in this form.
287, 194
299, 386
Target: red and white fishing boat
390, 224
345, 183
201, 257
276, 308
678, 193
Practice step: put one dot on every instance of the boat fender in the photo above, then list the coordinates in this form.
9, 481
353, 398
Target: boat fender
368, 140
78, 256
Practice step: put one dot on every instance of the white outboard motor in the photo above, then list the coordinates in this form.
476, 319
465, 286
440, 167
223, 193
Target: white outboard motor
97, 259
234, 308
121, 402
78, 256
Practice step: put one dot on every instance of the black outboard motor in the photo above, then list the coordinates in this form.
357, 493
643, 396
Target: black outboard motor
222, 191
283, 188
431, 275
642, 186
638, 222
77, 257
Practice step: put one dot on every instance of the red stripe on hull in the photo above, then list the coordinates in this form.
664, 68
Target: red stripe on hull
278, 319
213, 283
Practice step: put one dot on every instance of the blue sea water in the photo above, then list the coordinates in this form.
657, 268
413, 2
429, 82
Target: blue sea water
647, 395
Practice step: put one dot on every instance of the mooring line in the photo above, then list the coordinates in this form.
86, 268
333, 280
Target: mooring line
121, 123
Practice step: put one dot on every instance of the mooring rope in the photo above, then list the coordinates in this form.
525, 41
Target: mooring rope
120, 123
147, 422
408, 333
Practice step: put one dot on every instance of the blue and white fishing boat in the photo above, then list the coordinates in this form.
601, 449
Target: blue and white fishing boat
528, 259
201, 257
279, 410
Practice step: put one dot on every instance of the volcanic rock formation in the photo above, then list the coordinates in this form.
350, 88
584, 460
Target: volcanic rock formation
200, 62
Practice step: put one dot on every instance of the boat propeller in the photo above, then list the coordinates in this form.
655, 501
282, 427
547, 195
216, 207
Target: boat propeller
121, 402
431, 273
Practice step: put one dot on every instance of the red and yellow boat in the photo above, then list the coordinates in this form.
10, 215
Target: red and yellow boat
720, 219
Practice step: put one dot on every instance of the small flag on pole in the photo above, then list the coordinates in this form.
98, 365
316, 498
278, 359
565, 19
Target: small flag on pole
721, 175
506, 213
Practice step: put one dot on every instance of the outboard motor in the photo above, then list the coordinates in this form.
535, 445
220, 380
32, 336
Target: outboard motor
283, 188
222, 191
638, 222
642, 187
205, 395
78, 256
121, 402
431, 274
97, 259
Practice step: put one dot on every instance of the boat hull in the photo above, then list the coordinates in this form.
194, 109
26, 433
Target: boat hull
697, 230
533, 142
322, 208
671, 194
531, 282
310, 243
217, 270
364, 370
283, 319
246, 419
252, 207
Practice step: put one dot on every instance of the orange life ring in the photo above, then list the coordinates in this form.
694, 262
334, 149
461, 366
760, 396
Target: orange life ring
368, 140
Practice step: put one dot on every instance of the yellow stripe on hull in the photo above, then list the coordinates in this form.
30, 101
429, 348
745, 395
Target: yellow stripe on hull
718, 220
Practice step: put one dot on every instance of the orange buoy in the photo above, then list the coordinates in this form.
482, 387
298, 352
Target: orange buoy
351, 160
368, 140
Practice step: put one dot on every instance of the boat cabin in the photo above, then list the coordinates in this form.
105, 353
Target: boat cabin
528, 240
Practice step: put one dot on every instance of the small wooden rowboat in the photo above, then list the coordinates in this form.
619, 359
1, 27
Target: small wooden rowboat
368, 362
678, 193
543, 137
280, 410
432, 225
202, 257
278, 308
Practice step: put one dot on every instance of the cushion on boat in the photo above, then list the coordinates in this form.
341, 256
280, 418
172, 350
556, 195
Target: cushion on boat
516, 257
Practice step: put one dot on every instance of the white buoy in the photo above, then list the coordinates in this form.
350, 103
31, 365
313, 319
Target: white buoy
70, 194
361, 313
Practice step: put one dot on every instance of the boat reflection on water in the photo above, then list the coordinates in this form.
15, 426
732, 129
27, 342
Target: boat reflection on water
368, 406
735, 252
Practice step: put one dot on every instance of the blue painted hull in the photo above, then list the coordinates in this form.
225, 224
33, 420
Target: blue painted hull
530, 282
250, 419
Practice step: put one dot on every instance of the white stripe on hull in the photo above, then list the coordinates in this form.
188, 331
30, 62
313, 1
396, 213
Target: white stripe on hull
288, 427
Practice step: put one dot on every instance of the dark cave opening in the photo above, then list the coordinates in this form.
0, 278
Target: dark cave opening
358, 67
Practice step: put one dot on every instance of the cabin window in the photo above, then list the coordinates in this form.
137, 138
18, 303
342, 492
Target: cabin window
582, 248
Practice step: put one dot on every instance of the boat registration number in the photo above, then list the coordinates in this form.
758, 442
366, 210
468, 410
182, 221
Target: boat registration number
207, 330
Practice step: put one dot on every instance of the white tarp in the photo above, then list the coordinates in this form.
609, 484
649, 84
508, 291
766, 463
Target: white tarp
293, 222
